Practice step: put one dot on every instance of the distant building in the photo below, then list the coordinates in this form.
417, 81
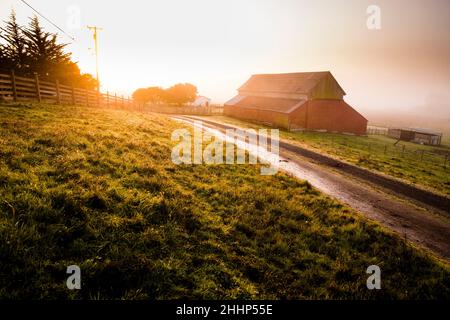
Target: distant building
417, 135
201, 101
296, 101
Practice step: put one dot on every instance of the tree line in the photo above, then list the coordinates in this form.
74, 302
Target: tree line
178, 94
30, 50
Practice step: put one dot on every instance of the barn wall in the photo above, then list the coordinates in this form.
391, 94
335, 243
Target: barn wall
275, 119
327, 88
333, 116
423, 138
298, 118
406, 135
328, 115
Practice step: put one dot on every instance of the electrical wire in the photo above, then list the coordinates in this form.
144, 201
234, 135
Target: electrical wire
48, 20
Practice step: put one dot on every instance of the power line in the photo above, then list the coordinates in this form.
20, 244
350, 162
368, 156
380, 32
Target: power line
48, 20
94, 33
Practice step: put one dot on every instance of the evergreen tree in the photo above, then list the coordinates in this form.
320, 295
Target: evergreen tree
31, 49
5, 63
14, 51
47, 58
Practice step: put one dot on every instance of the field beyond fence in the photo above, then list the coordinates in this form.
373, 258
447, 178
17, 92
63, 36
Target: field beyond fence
432, 154
420, 164
14, 88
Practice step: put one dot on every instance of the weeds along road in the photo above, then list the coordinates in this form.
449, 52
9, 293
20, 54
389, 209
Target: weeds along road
418, 215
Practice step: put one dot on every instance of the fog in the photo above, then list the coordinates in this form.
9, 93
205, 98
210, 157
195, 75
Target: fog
398, 74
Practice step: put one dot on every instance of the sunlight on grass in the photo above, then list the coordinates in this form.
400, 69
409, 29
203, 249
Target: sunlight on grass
97, 188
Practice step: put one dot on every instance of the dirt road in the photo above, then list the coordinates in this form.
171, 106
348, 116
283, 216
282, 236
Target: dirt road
412, 215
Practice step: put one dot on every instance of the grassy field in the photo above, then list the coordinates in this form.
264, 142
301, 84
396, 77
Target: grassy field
97, 188
418, 164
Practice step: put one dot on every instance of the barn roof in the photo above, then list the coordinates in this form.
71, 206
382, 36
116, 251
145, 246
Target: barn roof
264, 103
427, 131
299, 82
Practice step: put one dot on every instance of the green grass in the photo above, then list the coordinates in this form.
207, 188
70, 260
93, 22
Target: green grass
377, 153
97, 188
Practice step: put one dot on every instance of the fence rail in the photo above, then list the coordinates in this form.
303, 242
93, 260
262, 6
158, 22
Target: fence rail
17, 88
375, 130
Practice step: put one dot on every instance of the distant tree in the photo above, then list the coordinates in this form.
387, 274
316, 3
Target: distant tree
149, 95
68, 72
140, 95
85, 80
14, 50
155, 95
181, 93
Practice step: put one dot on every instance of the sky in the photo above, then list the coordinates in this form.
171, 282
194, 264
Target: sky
217, 44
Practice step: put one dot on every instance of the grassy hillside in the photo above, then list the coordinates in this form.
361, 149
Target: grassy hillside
97, 188
377, 153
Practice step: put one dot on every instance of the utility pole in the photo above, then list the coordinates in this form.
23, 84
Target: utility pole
94, 32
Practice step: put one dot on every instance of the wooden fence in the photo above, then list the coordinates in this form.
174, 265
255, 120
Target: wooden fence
377, 130
17, 88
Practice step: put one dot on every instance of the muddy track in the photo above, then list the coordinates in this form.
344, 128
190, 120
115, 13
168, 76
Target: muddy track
410, 191
416, 214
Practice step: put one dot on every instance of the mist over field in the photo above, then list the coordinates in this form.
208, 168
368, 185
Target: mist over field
433, 114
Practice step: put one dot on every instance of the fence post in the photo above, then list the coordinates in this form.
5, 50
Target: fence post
385, 148
403, 150
98, 98
58, 94
445, 160
13, 83
107, 99
115, 100
38, 89
73, 94
421, 156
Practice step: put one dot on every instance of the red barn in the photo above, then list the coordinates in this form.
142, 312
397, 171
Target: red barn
296, 101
